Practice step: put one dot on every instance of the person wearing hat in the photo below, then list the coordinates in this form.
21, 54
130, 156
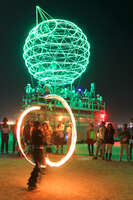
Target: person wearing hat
4, 135
37, 138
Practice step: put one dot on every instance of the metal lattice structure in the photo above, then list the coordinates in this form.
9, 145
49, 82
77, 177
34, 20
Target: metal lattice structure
56, 52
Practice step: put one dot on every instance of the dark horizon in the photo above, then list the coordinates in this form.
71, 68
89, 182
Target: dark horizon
108, 27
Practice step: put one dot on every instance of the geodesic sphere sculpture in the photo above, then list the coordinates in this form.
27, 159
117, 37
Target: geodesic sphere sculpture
56, 52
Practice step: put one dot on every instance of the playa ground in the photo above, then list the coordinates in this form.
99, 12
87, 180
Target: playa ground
81, 178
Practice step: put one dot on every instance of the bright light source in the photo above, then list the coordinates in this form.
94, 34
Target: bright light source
11, 122
60, 118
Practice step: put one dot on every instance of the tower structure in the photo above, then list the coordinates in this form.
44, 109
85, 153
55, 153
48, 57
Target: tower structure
56, 53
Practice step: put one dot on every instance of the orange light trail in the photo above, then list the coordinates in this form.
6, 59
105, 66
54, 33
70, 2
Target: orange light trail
74, 132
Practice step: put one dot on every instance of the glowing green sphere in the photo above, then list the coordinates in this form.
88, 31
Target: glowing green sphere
56, 52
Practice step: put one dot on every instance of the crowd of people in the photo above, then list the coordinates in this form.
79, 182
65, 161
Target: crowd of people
75, 97
57, 136
36, 136
103, 137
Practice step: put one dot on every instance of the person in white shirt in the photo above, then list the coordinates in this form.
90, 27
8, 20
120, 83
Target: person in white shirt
100, 144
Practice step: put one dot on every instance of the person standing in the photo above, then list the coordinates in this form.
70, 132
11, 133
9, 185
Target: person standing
124, 141
37, 139
131, 143
47, 90
100, 144
4, 135
91, 139
109, 140
69, 135
60, 136
14, 132
26, 134
48, 134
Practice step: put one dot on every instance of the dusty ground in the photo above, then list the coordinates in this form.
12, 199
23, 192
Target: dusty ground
79, 179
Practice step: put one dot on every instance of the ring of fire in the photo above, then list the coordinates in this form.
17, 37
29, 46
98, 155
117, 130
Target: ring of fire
74, 132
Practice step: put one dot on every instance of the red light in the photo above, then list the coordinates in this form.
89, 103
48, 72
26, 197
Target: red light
102, 116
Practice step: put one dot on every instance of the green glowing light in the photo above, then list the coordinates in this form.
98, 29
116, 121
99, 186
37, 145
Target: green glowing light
56, 52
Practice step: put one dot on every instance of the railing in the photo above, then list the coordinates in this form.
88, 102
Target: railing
78, 104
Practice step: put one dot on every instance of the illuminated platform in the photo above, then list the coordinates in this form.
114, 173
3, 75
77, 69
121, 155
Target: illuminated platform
85, 109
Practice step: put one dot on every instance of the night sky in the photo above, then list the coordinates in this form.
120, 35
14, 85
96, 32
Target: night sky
108, 26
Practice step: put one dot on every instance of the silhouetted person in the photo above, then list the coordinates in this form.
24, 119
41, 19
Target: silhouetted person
26, 134
14, 131
4, 135
124, 141
37, 139
131, 143
69, 135
109, 140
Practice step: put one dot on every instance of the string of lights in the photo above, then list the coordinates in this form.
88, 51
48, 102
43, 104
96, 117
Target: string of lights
56, 52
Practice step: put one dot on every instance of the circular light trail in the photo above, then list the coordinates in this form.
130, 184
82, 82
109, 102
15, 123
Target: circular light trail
74, 132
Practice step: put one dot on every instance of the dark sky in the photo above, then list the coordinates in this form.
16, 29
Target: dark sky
109, 28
